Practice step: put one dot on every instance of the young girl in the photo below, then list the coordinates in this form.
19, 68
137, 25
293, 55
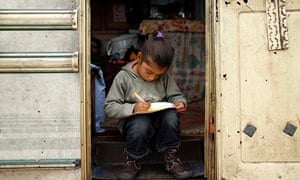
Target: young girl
148, 77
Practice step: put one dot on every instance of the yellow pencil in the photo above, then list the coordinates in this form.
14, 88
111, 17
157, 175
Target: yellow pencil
138, 97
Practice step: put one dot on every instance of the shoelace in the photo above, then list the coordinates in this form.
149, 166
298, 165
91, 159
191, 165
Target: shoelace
134, 164
172, 162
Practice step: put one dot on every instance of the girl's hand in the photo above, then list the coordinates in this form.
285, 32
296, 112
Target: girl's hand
141, 106
180, 106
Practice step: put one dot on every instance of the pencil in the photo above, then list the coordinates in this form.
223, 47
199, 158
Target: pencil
138, 97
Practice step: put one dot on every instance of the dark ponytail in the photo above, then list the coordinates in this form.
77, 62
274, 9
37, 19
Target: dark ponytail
159, 49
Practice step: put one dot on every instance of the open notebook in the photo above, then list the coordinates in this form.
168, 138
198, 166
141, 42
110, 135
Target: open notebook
157, 106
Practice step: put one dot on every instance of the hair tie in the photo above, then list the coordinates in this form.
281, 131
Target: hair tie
160, 34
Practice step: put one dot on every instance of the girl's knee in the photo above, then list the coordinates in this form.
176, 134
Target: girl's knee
139, 127
170, 118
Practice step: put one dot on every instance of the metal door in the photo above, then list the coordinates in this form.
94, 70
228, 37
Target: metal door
42, 85
257, 88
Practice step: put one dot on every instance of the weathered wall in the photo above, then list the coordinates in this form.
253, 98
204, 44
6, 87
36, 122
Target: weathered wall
259, 88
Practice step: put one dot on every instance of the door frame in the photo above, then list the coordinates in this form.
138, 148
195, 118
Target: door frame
85, 105
211, 17
210, 89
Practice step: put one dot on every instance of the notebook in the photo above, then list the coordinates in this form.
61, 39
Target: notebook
157, 106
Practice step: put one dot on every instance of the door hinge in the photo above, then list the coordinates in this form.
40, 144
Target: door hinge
212, 126
277, 27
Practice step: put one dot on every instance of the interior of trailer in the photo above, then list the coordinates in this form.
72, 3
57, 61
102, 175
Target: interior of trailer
118, 28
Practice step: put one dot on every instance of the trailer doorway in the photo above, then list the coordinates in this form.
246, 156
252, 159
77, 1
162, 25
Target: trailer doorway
112, 19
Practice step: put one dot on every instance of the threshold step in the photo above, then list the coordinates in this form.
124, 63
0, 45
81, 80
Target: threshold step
149, 171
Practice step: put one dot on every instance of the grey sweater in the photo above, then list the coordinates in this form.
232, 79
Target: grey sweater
120, 100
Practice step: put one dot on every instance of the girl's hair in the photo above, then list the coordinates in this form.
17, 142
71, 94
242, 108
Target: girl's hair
159, 49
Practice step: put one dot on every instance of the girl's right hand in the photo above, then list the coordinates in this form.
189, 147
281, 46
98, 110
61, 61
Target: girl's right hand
141, 106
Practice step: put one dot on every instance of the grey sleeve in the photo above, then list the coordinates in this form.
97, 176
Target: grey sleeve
174, 94
115, 105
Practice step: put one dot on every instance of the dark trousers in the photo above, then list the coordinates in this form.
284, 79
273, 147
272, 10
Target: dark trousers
138, 131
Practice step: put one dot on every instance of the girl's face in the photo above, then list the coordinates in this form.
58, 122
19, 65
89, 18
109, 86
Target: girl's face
149, 71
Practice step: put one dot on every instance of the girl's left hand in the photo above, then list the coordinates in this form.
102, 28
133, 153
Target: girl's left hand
180, 106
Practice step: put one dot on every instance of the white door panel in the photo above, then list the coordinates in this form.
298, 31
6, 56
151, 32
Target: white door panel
269, 83
258, 98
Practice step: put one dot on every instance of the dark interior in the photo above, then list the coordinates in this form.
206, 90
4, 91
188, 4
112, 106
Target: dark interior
184, 22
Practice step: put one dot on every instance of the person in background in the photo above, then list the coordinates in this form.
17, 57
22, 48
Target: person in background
148, 77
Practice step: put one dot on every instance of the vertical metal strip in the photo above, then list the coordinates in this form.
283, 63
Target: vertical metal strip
277, 24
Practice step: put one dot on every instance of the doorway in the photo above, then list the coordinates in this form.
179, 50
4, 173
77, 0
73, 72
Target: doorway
184, 23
